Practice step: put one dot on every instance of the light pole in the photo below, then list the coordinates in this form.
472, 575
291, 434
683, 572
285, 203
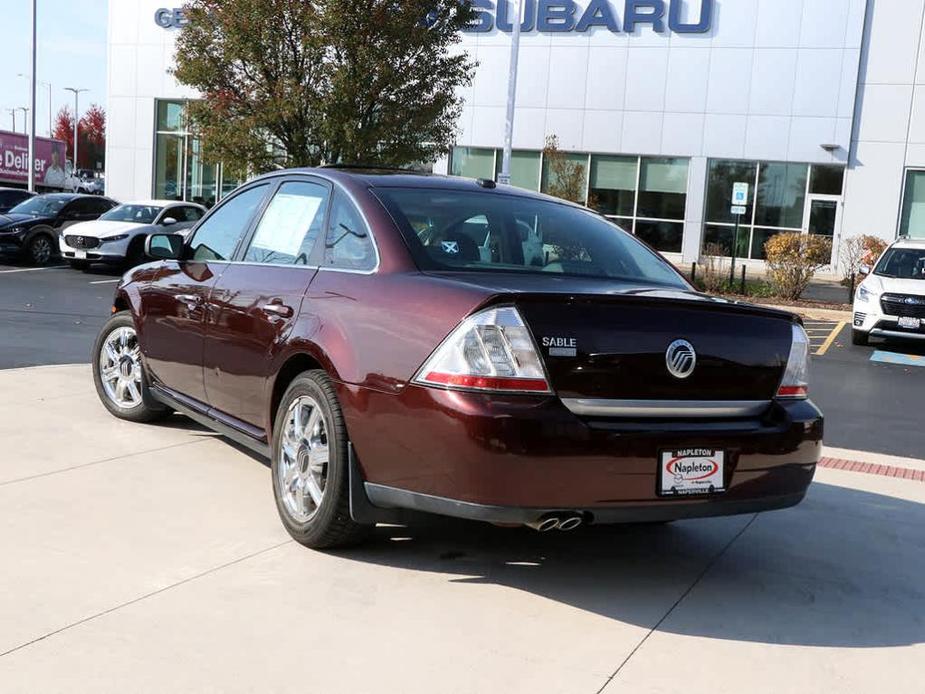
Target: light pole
32, 93
12, 112
505, 175
76, 92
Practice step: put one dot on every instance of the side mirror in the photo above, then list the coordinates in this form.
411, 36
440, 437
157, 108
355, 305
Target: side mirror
168, 222
164, 246
864, 270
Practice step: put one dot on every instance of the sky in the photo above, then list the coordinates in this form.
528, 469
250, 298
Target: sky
71, 53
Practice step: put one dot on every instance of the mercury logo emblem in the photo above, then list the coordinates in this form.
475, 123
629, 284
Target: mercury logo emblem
681, 358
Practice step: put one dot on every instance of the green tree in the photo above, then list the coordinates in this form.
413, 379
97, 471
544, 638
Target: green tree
296, 83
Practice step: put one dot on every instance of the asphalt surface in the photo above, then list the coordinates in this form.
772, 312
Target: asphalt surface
52, 315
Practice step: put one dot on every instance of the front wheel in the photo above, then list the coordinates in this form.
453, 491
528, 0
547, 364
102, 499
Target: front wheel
119, 375
859, 338
310, 468
40, 250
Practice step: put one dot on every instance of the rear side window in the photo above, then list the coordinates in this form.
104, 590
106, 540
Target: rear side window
348, 245
494, 232
101, 206
219, 235
290, 226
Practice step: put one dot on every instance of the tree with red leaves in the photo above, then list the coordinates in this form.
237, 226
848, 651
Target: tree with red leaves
92, 133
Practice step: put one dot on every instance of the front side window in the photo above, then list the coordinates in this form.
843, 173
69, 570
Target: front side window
521, 235
219, 235
348, 245
290, 226
902, 263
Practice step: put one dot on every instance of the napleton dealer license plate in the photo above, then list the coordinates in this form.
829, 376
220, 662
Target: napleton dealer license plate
691, 471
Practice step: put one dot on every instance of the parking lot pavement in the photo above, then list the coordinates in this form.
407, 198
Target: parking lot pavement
51, 315
150, 559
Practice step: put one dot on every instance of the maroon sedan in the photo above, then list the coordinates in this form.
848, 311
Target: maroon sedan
399, 342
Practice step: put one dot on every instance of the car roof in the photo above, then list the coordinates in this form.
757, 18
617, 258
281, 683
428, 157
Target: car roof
375, 177
159, 203
909, 243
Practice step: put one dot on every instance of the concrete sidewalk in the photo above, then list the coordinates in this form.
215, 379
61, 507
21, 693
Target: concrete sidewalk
151, 559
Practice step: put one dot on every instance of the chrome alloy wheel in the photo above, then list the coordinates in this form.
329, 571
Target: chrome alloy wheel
120, 368
303, 459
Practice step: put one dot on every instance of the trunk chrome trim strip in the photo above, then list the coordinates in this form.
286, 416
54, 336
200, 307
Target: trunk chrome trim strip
658, 409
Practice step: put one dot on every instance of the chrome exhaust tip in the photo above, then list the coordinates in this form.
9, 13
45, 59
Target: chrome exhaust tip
545, 525
571, 523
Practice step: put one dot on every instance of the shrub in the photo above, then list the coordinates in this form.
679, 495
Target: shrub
714, 268
858, 251
566, 178
793, 259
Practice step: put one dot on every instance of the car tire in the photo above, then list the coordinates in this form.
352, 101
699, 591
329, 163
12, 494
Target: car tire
860, 338
119, 364
40, 249
310, 465
79, 265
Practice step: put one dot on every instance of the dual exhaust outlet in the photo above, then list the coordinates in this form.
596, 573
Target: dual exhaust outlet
553, 521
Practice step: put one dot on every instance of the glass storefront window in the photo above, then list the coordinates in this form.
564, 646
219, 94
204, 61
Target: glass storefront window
663, 236
168, 167
525, 168
720, 238
180, 171
721, 178
171, 116
827, 180
662, 189
549, 179
913, 218
472, 162
781, 195
613, 185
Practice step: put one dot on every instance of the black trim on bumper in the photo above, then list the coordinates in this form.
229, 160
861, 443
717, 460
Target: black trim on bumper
390, 498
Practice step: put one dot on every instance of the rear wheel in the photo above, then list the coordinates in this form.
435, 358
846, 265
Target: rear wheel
309, 468
119, 375
40, 249
859, 338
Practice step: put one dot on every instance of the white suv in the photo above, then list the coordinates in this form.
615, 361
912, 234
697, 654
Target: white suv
891, 301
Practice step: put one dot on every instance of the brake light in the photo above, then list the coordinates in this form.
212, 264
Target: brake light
795, 385
492, 351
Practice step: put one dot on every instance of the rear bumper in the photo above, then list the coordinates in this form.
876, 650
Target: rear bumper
514, 459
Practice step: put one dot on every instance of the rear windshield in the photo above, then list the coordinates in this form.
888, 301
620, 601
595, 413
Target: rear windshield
903, 263
494, 232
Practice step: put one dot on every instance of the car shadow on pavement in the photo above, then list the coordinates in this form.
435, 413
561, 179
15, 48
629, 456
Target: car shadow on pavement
843, 569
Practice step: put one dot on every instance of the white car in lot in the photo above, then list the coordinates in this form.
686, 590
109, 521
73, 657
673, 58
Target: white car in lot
118, 237
890, 302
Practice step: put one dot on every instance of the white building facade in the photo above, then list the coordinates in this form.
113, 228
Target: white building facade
818, 105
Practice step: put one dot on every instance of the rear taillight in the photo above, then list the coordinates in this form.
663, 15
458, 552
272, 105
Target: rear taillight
795, 385
491, 350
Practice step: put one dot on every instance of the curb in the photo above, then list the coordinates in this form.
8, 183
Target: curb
873, 469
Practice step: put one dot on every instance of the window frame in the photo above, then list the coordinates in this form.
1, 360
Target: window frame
270, 184
278, 182
369, 234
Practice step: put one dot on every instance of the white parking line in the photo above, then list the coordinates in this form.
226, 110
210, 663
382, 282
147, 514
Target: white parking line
33, 269
105, 281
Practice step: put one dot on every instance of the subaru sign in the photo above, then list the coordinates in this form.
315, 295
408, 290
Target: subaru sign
564, 16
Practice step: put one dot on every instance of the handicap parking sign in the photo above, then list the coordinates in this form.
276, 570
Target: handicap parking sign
740, 194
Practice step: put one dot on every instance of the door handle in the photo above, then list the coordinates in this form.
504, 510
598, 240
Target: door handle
277, 309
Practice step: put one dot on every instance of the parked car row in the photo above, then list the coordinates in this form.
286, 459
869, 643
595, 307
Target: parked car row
86, 228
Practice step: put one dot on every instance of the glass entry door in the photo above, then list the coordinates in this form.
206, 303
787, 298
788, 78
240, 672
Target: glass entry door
823, 218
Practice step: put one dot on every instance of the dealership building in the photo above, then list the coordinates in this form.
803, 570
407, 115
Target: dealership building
818, 105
